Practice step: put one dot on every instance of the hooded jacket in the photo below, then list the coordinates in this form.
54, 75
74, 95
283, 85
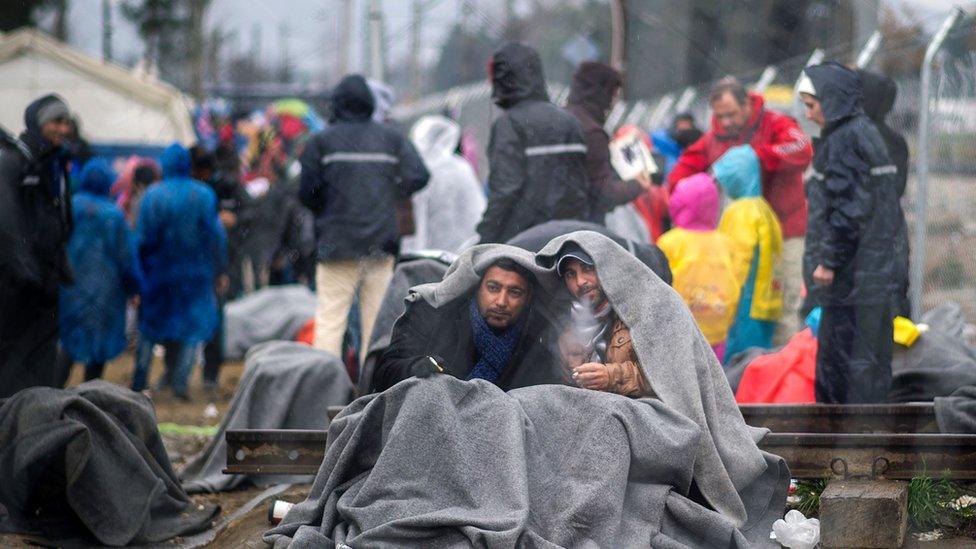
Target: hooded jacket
35, 210
182, 247
752, 226
536, 152
590, 97
353, 173
701, 258
855, 215
879, 98
447, 210
103, 257
784, 153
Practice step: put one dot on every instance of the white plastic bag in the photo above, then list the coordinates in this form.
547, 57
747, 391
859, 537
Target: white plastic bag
796, 531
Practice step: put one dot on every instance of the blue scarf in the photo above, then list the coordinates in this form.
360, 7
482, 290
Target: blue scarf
495, 349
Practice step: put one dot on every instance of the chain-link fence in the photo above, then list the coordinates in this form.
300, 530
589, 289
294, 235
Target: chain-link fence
940, 128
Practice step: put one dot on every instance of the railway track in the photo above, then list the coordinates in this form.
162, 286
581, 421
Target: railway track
817, 441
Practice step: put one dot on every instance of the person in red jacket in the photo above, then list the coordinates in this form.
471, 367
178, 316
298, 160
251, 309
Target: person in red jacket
784, 151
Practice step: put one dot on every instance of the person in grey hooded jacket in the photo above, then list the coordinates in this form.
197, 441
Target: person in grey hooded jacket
854, 222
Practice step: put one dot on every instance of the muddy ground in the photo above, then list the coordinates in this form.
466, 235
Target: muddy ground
244, 532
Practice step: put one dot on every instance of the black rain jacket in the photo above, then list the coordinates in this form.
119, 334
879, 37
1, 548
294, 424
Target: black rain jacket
353, 173
536, 152
855, 217
879, 98
35, 211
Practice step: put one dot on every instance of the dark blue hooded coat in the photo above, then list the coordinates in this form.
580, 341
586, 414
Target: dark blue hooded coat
182, 247
353, 174
855, 216
102, 254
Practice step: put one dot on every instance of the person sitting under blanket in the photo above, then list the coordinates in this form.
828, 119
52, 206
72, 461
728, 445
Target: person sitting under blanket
488, 332
596, 348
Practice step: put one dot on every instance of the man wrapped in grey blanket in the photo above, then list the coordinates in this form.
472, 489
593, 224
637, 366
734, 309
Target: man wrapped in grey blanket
442, 462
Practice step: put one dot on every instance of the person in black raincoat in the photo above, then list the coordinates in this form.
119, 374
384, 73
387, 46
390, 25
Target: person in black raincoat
879, 98
536, 153
855, 219
352, 175
35, 225
595, 86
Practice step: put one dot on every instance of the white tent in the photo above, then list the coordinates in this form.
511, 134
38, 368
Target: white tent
116, 107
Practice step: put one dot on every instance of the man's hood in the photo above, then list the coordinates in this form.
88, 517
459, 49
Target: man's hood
352, 100
435, 137
879, 92
756, 103
97, 177
32, 124
737, 171
838, 89
694, 203
175, 161
516, 75
593, 88
465, 274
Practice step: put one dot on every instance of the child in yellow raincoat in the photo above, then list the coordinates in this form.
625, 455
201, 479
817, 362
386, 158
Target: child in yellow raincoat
752, 225
701, 258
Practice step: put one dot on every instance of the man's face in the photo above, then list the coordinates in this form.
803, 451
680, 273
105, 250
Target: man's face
581, 281
57, 130
683, 124
732, 117
814, 111
502, 297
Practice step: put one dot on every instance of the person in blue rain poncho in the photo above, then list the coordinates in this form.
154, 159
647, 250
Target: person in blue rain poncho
182, 248
102, 254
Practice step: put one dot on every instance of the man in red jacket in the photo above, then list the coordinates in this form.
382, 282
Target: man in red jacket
784, 152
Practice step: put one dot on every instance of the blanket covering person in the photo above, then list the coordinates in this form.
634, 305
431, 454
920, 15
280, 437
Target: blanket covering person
103, 256
312, 380
752, 225
681, 369
273, 313
88, 462
443, 462
702, 259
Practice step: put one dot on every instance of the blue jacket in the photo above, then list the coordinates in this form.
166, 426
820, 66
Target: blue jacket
182, 248
102, 253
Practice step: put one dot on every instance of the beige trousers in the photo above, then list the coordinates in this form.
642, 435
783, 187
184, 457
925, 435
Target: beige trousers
336, 283
792, 281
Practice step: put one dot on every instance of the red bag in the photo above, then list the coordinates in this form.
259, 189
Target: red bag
783, 377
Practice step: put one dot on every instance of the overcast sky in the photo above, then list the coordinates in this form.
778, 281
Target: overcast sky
311, 27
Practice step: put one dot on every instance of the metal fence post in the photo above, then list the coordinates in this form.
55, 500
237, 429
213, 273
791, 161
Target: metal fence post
917, 266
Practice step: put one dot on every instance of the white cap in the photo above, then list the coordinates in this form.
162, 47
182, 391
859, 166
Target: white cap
805, 85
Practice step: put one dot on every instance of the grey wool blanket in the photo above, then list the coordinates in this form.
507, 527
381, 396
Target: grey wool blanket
87, 464
682, 370
286, 385
442, 462
269, 314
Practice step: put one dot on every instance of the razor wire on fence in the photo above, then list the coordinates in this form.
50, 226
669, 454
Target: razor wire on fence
935, 113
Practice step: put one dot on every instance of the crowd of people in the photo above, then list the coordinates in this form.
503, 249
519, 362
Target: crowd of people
759, 223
